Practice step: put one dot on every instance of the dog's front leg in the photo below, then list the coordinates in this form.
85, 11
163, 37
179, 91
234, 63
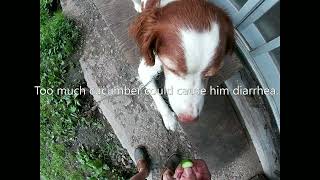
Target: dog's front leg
146, 75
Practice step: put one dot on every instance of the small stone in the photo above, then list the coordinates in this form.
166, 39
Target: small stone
123, 162
132, 79
128, 102
161, 153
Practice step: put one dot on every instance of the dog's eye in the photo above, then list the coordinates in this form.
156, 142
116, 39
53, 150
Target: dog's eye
169, 69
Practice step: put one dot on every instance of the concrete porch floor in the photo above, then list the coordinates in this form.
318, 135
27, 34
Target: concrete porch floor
221, 140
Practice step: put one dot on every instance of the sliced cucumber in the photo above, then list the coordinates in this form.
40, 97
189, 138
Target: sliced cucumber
186, 163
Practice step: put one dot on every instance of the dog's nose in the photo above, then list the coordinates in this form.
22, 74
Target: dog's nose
187, 118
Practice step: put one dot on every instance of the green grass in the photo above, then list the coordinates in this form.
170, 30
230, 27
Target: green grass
94, 162
60, 116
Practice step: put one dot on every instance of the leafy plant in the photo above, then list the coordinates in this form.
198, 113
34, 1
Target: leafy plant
92, 163
60, 115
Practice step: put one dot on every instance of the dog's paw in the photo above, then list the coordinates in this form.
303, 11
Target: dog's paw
170, 121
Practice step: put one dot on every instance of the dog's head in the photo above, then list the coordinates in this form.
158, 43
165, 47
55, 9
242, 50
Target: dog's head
191, 38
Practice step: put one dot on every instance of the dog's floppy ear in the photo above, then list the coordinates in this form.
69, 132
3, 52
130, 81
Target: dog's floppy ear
144, 32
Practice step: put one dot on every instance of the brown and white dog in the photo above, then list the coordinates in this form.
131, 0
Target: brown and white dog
188, 39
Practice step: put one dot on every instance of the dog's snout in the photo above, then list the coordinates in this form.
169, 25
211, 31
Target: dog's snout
187, 118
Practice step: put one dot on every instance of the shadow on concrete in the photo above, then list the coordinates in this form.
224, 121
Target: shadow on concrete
218, 134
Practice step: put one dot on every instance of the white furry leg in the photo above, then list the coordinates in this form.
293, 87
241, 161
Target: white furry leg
146, 74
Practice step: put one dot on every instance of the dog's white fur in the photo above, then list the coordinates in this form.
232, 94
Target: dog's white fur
199, 48
146, 74
138, 8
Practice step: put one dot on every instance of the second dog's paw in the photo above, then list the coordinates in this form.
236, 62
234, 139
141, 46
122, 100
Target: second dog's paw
170, 121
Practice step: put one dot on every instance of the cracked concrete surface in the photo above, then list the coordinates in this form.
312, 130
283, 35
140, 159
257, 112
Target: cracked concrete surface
109, 61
